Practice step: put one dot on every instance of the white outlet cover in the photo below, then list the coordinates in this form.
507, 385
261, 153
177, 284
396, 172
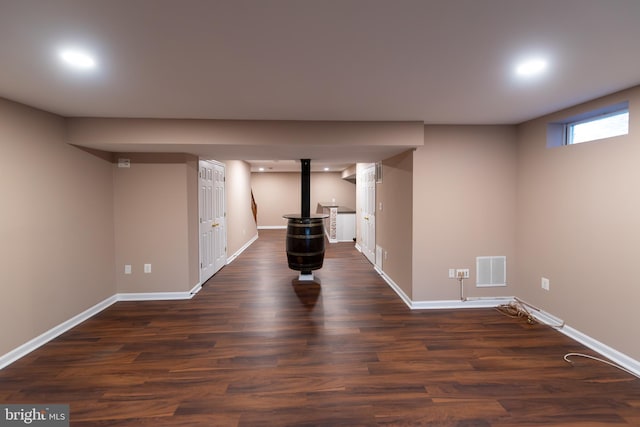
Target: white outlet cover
127, 269
147, 268
452, 273
462, 272
544, 283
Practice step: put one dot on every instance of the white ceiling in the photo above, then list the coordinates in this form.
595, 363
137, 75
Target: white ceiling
437, 61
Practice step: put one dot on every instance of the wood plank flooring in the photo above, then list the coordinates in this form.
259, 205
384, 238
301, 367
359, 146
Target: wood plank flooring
255, 348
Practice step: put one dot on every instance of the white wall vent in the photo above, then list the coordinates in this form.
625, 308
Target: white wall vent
491, 271
379, 173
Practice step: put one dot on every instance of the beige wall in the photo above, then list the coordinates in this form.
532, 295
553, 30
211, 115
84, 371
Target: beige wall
56, 225
156, 220
278, 193
326, 186
152, 223
394, 221
464, 198
578, 225
241, 226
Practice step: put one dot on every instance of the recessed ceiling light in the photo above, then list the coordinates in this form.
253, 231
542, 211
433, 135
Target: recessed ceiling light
261, 169
326, 169
531, 67
77, 59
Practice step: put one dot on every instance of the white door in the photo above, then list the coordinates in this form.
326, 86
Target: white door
367, 217
213, 236
220, 217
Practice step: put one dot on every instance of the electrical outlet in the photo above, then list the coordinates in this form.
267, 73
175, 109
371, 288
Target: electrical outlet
544, 283
127, 269
124, 163
147, 268
462, 273
452, 273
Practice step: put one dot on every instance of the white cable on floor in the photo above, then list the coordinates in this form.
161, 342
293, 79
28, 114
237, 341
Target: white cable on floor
519, 307
566, 358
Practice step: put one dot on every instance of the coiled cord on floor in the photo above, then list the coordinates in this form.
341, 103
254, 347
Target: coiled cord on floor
516, 310
520, 309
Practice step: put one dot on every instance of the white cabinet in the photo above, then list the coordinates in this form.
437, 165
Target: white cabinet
346, 227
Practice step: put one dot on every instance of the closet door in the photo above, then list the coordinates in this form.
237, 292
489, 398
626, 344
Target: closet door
213, 236
367, 215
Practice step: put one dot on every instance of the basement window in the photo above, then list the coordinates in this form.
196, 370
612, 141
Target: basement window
593, 125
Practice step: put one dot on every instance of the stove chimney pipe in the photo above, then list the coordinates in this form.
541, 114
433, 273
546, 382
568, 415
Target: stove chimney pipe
305, 196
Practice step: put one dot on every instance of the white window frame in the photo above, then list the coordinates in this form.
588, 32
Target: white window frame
569, 127
557, 132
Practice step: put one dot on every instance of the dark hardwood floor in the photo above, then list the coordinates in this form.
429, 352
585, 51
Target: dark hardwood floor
255, 348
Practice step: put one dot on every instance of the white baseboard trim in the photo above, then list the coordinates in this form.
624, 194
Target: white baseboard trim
393, 285
542, 316
52, 333
358, 248
443, 304
197, 288
154, 296
242, 249
63, 327
489, 302
272, 227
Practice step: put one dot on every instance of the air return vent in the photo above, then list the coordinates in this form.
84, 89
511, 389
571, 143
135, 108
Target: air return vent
379, 173
379, 256
491, 271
